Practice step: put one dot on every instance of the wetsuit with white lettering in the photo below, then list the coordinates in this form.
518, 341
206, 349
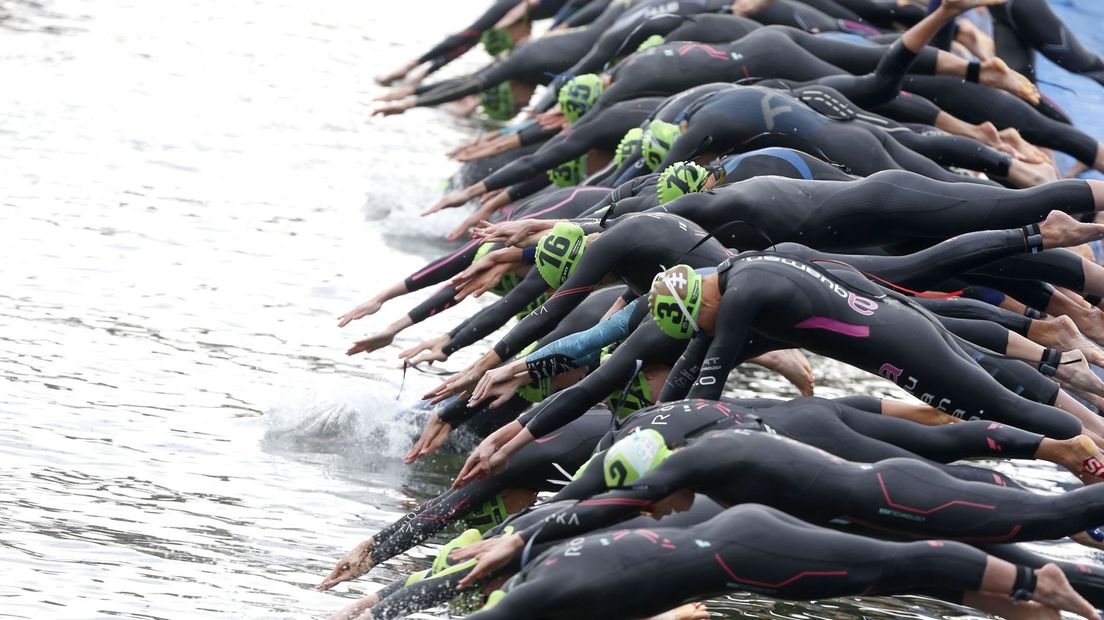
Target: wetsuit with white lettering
643, 572
836, 313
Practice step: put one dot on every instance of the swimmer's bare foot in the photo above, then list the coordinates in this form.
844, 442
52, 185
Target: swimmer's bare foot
791, 364
1054, 590
1091, 323
1061, 333
997, 74
987, 133
1024, 175
1060, 230
353, 565
1021, 148
1074, 372
689, 611
358, 610
371, 343
1077, 454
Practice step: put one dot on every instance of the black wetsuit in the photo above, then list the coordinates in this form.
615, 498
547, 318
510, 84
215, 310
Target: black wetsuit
639, 573
639, 194
535, 62
531, 468
731, 118
899, 496
974, 103
769, 52
884, 208
1022, 26
829, 311
457, 44
399, 600
593, 132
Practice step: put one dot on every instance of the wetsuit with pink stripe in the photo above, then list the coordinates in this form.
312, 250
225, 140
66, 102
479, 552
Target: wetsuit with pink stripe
899, 496
643, 572
834, 311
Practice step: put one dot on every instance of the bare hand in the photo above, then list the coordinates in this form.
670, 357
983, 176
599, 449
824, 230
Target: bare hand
552, 119
353, 565
393, 108
452, 200
482, 282
365, 309
488, 458
398, 73
371, 343
431, 350
434, 435
395, 94
461, 382
513, 233
501, 384
492, 554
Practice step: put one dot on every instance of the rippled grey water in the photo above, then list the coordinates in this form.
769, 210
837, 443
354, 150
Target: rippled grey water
190, 193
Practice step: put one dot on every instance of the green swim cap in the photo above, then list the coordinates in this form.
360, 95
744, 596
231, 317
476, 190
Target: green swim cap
496, 41
629, 145
634, 456
658, 140
559, 251
650, 42
675, 301
684, 177
490, 514
569, 173
579, 94
498, 102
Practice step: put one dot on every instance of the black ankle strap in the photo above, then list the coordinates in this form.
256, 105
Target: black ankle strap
1024, 587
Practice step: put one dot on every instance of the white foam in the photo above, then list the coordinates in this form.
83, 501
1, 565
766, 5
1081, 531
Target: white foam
357, 419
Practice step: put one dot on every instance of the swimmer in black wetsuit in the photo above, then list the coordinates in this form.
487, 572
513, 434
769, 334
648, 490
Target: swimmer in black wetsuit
497, 28
833, 311
1023, 26
832, 425
900, 496
760, 549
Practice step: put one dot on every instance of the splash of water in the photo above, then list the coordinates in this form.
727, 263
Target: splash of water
360, 420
